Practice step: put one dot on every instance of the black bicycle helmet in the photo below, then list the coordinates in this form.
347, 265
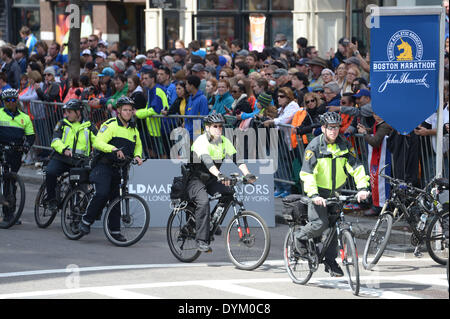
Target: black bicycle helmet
124, 100
214, 118
10, 93
330, 118
73, 104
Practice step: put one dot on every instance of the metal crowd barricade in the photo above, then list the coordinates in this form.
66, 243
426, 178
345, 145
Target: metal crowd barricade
163, 137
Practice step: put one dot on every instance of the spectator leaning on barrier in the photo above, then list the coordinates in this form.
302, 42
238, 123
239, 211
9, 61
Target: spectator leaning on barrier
120, 83
288, 108
50, 91
375, 137
197, 104
224, 100
156, 102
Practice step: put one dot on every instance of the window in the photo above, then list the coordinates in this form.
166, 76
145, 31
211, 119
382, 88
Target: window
253, 5
218, 4
213, 28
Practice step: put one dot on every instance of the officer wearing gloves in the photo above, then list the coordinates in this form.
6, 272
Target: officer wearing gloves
117, 139
208, 152
327, 161
71, 135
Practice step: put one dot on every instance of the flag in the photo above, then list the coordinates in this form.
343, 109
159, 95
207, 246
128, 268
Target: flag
378, 157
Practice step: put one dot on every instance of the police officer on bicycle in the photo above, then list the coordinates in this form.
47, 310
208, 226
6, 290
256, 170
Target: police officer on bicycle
117, 139
328, 159
208, 152
15, 127
71, 135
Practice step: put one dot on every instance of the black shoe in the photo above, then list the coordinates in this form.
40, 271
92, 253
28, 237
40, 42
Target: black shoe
333, 268
119, 237
53, 205
301, 247
218, 231
84, 228
203, 246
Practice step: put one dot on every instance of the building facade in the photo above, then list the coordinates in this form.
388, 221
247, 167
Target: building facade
158, 23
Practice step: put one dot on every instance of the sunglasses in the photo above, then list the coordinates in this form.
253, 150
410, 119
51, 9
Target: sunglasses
83, 42
310, 101
48, 74
332, 128
217, 126
10, 100
281, 96
234, 91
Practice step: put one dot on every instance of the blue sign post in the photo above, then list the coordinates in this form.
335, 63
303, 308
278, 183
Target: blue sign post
406, 68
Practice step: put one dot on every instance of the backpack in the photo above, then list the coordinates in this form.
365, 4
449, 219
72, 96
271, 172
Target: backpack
179, 184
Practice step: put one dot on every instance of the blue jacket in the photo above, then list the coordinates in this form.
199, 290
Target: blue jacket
222, 101
196, 105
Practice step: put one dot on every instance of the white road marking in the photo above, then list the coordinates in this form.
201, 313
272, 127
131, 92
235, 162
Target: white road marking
234, 286
178, 265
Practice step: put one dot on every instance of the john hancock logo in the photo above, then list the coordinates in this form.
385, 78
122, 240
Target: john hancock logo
404, 53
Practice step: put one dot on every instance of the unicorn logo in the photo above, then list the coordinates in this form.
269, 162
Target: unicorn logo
406, 54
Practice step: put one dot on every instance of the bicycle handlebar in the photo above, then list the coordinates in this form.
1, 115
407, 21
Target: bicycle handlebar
334, 200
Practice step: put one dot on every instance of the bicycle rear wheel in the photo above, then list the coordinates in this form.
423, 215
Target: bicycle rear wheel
437, 244
297, 267
42, 215
13, 190
377, 241
248, 240
73, 209
349, 258
134, 219
181, 235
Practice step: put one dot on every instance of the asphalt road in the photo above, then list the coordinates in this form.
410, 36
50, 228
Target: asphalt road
43, 263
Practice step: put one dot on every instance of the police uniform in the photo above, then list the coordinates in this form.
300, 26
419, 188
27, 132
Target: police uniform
324, 171
205, 155
105, 175
77, 137
14, 127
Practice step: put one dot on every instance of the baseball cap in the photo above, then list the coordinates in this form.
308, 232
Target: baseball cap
101, 54
107, 72
280, 72
353, 60
86, 51
198, 67
179, 52
362, 92
302, 61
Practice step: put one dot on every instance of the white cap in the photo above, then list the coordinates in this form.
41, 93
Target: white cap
86, 51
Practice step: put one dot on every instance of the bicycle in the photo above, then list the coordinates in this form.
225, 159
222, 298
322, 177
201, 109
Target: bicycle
247, 235
11, 187
68, 180
134, 211
417, 207
301, 267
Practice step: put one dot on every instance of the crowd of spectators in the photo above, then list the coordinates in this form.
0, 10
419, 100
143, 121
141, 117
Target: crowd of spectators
273, 88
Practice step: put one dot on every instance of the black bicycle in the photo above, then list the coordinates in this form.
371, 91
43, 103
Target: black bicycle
134, 211
79, 174
301, 267
12, 188
423, 213
247, 235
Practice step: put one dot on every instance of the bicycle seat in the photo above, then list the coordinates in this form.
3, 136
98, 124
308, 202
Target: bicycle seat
443, 182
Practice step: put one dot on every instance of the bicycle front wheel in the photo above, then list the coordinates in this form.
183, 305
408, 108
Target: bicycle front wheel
181, 235
437, 244
128, 215
42, 215
297, 267
248, 240
13, 190
74, 207
349, 258
377, 241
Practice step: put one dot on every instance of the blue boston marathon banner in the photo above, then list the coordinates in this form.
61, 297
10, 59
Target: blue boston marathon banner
404, 72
